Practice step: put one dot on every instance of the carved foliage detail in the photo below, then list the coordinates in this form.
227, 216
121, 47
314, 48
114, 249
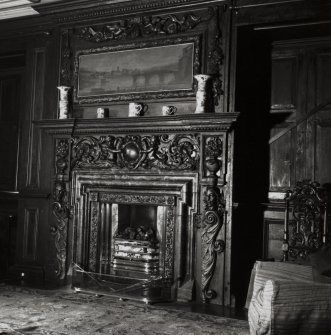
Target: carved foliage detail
167, 152
139, 27
61, 209
66, 55
214, 207
216, 61
165, 200
216, 57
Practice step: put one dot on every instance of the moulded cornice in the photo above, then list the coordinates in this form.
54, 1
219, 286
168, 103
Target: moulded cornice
85, 9
147, 125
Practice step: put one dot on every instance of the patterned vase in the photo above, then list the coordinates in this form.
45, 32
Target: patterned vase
202, 92
64, 101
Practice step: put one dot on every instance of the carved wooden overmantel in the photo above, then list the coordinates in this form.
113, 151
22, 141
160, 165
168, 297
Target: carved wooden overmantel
188, 157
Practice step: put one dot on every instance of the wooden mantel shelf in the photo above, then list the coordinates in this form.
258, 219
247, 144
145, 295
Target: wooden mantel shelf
159, 124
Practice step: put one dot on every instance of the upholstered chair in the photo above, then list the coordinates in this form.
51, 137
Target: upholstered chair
293, 296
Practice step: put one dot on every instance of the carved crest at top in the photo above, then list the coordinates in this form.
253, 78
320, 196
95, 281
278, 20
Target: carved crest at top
139, 27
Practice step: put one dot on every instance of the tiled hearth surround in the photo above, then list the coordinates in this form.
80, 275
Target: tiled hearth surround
182, 164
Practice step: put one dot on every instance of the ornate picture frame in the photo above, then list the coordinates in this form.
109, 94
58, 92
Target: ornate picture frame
162, 68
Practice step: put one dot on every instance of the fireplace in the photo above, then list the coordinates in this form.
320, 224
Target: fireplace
141, 209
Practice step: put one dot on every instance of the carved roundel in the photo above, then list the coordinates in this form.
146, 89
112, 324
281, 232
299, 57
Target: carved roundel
131, 152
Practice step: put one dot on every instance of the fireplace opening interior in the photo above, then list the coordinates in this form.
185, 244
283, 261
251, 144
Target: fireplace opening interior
137, 241
137, 222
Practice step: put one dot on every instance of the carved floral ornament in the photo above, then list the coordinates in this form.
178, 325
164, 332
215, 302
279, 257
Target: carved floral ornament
165, 152
139, 27
213, 154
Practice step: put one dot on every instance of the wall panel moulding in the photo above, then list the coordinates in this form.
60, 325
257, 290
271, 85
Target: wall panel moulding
111, 7
263, 11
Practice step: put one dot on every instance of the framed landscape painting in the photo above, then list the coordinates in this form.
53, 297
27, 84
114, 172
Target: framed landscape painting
130, 71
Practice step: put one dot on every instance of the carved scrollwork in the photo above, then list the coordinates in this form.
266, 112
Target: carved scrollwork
166, 152
176, 152
139, 27
88, 151
214, 206
61, 208
308, 207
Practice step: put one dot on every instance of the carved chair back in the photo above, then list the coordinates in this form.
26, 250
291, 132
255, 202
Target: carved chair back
305, 221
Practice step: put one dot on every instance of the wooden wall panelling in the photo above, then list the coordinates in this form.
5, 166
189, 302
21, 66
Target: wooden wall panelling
30, 251
52, 66
273, 236
323, 152
30, 237
10, 104
311, 135
319, 107
284, 100
284, 83
36, 110
323, 80
271, 13
8, 226
281, 160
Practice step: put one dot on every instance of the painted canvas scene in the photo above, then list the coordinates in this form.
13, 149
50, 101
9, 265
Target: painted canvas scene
163, 68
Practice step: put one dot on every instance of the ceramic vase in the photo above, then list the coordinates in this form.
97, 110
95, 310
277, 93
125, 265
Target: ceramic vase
64, 102
202, 92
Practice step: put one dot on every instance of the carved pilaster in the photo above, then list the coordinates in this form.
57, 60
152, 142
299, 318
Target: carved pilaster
214, 206
61, 209
212, 219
